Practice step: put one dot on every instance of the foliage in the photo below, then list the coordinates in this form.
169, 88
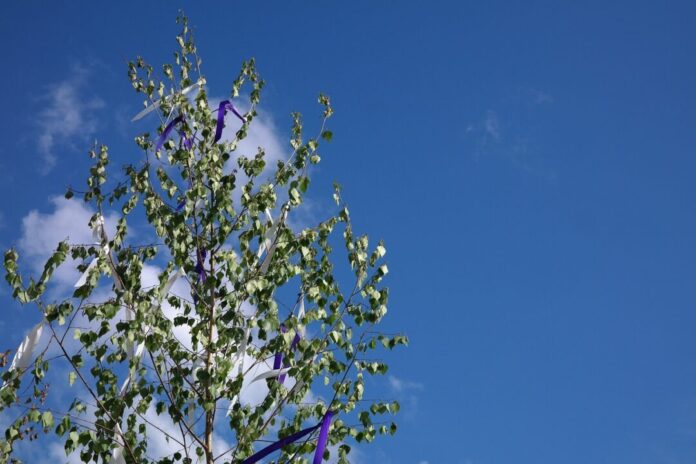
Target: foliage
123, 356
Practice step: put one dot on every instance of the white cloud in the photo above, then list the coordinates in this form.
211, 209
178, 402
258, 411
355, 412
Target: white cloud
540, 97
406, 392
399, 385
41, 233
64, 118
262, 133
512, 144
491, 125
67, 115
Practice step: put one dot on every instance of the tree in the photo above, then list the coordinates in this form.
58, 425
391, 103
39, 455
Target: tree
141, 359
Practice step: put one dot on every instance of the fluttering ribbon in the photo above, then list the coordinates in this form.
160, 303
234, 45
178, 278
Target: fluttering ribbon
117, 456
279, 358
182, 203
99, 234
200, 270
167, 130
240, 370
268, 236
188, 141
270, 374
222, 110
157, 103
321, 441
300, 315
138, 351
25, 351
270, 239
278, 370
195, 366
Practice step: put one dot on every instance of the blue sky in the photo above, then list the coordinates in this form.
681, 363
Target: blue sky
529, 166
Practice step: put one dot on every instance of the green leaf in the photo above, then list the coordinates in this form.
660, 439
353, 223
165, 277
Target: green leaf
47, 419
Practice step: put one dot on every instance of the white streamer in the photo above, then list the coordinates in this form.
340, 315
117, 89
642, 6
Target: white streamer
117, 454
300, 315
25, 351
270, 374
157, 103
100, 237
271, 240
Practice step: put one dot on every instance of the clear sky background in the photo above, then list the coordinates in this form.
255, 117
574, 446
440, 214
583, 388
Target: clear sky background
530, 166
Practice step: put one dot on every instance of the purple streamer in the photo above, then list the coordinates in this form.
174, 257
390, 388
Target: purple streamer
279, 444
200, 270
278, 359
222, 109
321, 442
182, 203
323, 437
188, 141
295, 341
165, 133
199, 266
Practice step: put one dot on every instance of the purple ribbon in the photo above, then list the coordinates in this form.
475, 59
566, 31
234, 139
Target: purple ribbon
167, 130
321, 443
295, 341
188, 142
182, 203
323, 437
200, 270
222, 110
199, 266
278, 358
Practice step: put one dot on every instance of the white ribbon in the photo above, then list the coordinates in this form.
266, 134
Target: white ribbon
300, 315
240, 359
83, 278
268, 236
100, 237
157, 103
170, 283
163, 294
137, 352
271, 237
117, 454
25, 351
270, 374
197, 364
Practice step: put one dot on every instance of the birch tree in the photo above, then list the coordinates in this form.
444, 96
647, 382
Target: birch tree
245, 301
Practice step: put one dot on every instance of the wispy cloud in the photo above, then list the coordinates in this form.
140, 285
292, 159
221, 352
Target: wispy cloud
67, 115
399, 385
491, 125
41, 233
506, 137
540, 97
407, 393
